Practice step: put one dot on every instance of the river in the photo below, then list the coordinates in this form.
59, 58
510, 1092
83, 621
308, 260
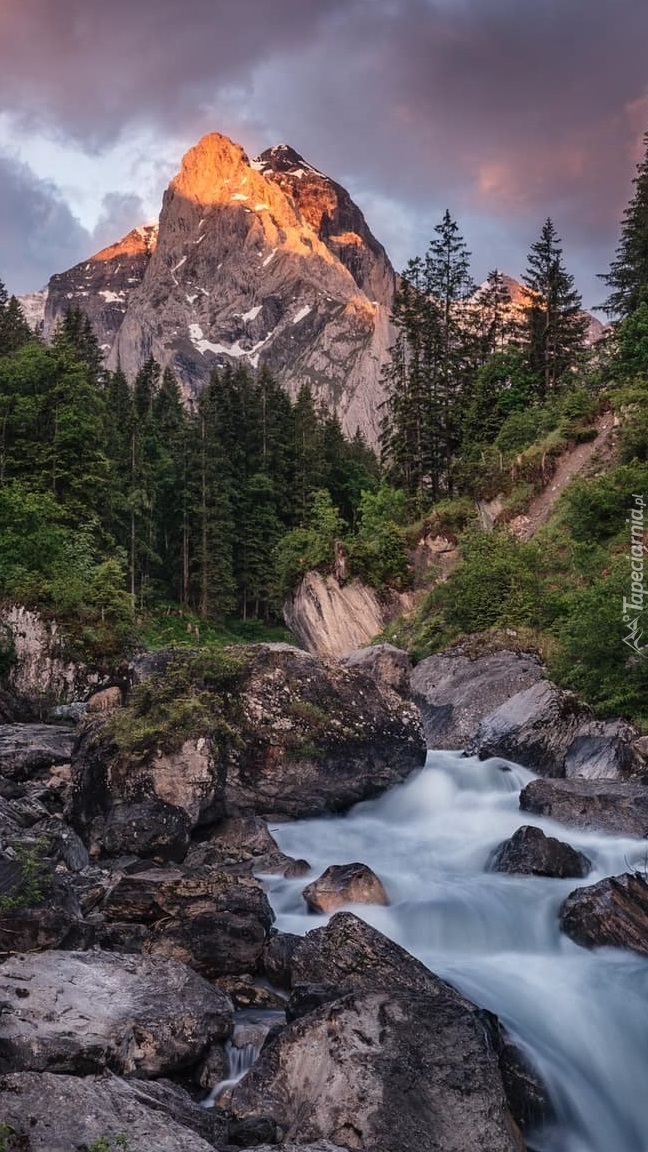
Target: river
582, 1016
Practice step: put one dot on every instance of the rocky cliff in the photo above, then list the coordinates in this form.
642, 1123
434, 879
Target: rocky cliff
263, 262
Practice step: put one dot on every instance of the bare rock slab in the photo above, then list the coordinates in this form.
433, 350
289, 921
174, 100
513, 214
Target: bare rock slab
82, 1012
604, 806
29, 749
455, 692
612, 913
529, 852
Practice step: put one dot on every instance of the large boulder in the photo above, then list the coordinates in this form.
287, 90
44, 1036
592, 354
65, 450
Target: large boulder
602, 806
285, 735
551, 732
529, 852
344, 884
56, 1113
398, 1060
455, 691
83, 1012
612, 913
216, 923
43, 671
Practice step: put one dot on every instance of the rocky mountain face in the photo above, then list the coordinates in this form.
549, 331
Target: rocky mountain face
103, 285
264, 262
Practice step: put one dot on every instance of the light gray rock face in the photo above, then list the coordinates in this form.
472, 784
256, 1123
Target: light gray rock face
82, 1012
49, 1113
41, 674
552, 733
102, 285
263, 262
331, 619
455, 692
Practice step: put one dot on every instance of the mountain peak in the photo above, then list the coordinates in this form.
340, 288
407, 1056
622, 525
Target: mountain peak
209, 167
283, 158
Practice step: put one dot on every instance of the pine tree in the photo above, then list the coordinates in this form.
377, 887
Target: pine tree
555, 326
628, 275
14, 329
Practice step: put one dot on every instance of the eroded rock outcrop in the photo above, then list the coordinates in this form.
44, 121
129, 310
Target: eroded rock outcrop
42, 674
331, 619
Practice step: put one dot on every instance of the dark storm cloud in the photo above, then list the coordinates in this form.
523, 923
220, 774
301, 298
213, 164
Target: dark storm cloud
120, 212
38, 233
505, 111
89, 67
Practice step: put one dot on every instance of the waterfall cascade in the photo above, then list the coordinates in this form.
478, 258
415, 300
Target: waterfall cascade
580, 1016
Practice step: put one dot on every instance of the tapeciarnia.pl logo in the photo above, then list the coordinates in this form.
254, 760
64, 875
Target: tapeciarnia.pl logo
634, 605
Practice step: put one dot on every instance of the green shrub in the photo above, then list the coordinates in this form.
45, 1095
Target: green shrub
34, 883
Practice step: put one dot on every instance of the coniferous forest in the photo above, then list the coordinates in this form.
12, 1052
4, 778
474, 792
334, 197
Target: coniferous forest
120, 503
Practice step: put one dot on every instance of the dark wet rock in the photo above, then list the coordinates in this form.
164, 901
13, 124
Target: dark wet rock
241, 845
214, 922
390, 667
253, 1131
455, 691
251, 992
529, 852
612, 913
83, 1012
526, 1093
605, 806
57, 1113
151, 828
38, 908
279, 952
344, 884
28, 750
551, 732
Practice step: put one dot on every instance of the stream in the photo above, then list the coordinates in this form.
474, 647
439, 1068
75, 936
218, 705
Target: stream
581, 1016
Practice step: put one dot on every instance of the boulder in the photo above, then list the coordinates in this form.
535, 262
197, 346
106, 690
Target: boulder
455, 691
612, 913
297, 738
216, 923
243, 845
105, 701
344, 884
530, 853
390, 667
28, 750
386, 1069
43, 672
56, 1113
151, 828
83, 1012
603, 806
552, 733
279, 952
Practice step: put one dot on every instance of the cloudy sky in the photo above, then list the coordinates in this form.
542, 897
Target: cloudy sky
503, 111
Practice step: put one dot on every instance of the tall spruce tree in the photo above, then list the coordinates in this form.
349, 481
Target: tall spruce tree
628, 275
555, 326
430, 365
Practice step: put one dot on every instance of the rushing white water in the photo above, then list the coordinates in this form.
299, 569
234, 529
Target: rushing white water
582, 1016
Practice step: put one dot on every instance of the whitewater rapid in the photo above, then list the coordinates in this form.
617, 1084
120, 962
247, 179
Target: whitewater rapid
581, 1016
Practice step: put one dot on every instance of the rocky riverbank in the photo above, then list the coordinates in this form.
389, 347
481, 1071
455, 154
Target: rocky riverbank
134, 930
